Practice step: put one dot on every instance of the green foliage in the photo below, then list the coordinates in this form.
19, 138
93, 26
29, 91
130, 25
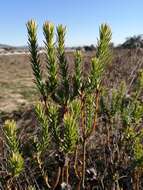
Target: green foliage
63, 65
75, 107
139, 85
48, 29
96, 69
70, 106
103, 50
11, 135
77, 78
120, 104
103, 57
31, 188
16, 163
141, 78
118, 99
132, 114
71, 131
15, 159
35, 60
90, 111
44, 137
53, 123
71, 135
136, 143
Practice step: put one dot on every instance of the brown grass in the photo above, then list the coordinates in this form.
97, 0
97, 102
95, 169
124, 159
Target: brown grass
16, 80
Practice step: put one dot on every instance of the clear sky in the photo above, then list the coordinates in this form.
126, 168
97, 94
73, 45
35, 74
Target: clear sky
82, 18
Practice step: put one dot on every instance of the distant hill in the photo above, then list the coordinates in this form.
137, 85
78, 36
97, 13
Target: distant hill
5, 46
8, 48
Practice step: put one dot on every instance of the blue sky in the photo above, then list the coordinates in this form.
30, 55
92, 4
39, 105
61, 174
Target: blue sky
82, 18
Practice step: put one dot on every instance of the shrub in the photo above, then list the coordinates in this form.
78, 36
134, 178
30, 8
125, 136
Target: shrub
71, 96
94, 133
15, 159
133, 42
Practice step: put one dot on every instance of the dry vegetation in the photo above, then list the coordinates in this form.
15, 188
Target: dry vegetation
16, 80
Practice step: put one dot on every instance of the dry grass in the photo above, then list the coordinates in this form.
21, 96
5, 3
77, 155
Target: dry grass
16, 80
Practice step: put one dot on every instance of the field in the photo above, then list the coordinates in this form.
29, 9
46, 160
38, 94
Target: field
18, 91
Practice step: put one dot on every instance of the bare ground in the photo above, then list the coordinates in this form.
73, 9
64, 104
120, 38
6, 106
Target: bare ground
16, 82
